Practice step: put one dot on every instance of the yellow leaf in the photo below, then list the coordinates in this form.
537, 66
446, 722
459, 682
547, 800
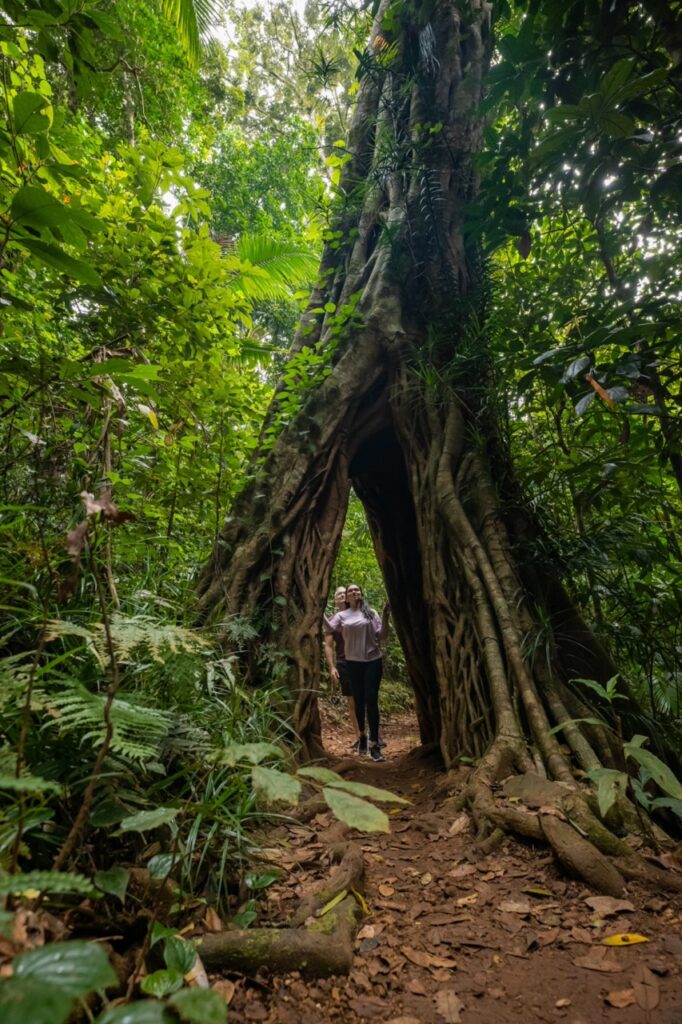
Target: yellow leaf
153, 419
623, 939
332, 903
361, 900
30, 894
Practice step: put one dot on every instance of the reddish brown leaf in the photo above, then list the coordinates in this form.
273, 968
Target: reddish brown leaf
621, 998
423, 959
646, 988
449, 1005
599, 958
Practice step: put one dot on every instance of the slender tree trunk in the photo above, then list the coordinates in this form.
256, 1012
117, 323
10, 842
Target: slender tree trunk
405, 416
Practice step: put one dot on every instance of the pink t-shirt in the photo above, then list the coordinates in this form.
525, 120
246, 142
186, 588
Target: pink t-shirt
359, 633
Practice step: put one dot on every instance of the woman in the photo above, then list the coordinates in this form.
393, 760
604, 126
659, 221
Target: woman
361, 629
336, 660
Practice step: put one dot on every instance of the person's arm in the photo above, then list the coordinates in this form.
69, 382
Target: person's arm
329, 655
385, 622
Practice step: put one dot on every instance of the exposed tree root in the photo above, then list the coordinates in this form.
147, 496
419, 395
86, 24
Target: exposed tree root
324, 947
347, 875
581, 858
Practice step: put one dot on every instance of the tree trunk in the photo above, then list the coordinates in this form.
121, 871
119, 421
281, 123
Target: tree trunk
406, 416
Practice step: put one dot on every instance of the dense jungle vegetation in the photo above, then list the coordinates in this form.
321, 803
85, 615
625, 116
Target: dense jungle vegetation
169, 174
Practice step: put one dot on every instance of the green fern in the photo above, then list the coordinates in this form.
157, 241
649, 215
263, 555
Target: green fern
265, 268
128, 634
138, 731
35, 882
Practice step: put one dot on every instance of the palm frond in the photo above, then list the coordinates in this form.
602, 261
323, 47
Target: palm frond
192, 18
264, 268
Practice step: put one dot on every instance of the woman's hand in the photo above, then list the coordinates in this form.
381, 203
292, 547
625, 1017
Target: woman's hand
334, 673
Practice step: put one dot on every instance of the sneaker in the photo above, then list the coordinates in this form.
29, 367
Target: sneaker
355, 746
375, 753
362, 745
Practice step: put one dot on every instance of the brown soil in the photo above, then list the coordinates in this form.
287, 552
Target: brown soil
453, 936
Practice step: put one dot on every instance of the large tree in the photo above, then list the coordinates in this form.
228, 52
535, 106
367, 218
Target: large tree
387, 390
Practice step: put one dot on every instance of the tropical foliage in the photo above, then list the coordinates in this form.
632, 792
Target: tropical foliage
163, 200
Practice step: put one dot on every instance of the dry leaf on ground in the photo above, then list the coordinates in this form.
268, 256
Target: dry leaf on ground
621, 998
646, 987
561, 1004
623, 939
225, 989
449, 1005
599, 959
426, 878
460, 824
514, 907
606, 906
423, 959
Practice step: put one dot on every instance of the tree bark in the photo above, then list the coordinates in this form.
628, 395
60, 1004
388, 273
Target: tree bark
406, 416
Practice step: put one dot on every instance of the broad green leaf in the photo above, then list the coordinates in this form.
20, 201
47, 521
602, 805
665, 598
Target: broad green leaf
161, 983
52, 256
372, 792
254, 753
610, 785
274, 786
199, 1006
179, 954
147, 1011
592, 685
32, 113
660, 773
262, 881
113, 881
28, 784
160, 865
574, 721
76, 967
357, 813
144, 820
319, 774
32, 1001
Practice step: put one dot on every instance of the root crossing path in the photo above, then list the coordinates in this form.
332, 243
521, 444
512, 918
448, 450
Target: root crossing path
453, 935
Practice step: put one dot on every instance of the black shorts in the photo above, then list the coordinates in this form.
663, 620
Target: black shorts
344, 680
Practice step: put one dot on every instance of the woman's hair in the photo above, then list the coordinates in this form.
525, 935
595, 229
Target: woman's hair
363, 606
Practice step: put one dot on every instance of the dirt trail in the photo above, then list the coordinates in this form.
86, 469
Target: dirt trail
451, 937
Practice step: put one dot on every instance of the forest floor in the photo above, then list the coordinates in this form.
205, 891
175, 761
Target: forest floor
453, 937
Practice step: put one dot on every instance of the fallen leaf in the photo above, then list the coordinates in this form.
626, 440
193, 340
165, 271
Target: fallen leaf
460, 824
621, 998
212, 921
466, 901
448, 1005
416, 987
367, 932
404, 1020
561, 1004
537, 892
598, 959
623, 939
462, 870
426, 878
225, 989
580, 935
423, 959
606, 906
646, 988
386, 890
547, 938
514, 907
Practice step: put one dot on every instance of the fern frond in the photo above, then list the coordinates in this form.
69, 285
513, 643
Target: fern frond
265, 268
128, 634
35, 882
138, 730
192, 18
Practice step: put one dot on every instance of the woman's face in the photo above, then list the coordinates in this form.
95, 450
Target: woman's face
353, 594
340, 597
